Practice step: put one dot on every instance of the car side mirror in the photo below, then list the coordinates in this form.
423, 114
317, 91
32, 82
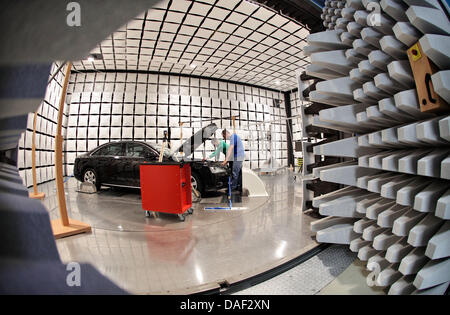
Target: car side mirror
149, 156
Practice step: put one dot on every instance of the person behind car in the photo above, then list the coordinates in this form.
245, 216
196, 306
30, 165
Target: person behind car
236, 155
221, 146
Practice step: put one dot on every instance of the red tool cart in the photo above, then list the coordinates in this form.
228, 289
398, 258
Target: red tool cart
166, 187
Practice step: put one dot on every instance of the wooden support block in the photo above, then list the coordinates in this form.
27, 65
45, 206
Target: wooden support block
74, 227
423, 69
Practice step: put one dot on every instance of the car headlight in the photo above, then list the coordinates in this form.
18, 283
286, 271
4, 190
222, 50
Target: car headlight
216, 170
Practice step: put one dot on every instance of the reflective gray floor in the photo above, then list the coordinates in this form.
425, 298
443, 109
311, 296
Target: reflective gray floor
162, 255
309, 277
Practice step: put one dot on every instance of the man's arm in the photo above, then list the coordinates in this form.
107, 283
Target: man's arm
229, 152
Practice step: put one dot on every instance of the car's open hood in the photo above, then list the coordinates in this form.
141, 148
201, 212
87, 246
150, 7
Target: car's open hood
193, 142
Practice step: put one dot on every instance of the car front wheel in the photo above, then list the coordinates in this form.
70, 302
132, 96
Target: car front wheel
90, 176
196, 182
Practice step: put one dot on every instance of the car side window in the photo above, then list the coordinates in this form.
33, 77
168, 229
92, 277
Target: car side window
138, 150
110, 150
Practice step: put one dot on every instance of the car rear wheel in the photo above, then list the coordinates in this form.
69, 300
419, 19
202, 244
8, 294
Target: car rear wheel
90, 176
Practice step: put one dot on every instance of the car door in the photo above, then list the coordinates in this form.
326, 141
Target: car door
136, 154
107, 162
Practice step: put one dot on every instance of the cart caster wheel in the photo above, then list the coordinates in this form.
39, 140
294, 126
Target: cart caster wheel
147, 214
190, 211
181, 217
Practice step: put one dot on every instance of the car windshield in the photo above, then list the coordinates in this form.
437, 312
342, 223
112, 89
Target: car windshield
167, 152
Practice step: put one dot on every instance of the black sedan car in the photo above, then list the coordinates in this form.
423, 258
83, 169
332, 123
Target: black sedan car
117, 164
